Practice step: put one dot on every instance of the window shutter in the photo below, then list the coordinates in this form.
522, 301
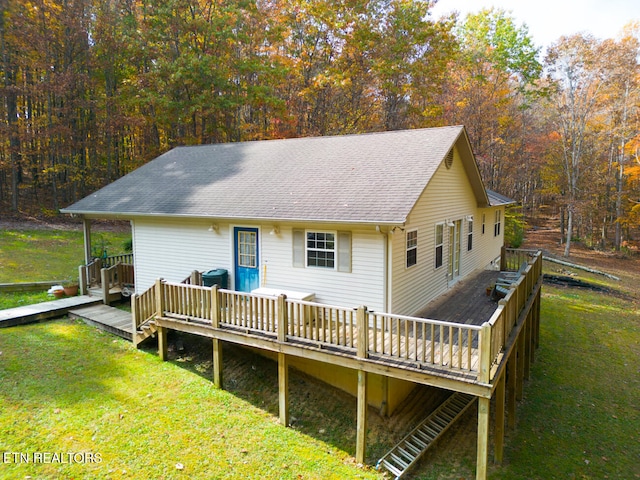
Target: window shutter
298, 248
344, 251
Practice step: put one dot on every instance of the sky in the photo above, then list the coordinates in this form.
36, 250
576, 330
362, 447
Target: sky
548, 20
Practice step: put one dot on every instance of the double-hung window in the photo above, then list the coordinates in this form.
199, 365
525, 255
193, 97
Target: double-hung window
497, 224
321, 249
470, 235
439, 244
412, 248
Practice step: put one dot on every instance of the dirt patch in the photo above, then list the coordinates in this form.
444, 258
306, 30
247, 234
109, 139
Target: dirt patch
61, 222
545, 236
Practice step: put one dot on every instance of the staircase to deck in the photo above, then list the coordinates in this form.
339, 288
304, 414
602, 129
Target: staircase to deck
408, 451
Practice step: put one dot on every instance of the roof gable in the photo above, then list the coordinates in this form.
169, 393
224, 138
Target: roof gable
369, 178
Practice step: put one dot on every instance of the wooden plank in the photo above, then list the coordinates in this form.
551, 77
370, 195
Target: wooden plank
162, 343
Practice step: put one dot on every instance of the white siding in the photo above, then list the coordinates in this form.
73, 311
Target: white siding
447, 197
172, 249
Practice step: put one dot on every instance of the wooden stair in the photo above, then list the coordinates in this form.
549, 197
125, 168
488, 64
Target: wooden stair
405, 454
144, 331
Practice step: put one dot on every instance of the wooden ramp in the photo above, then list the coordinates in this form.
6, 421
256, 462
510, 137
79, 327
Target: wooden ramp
403, 456
109, 319
43, 311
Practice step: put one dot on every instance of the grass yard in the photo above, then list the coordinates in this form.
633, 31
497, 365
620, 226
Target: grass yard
42, 255
70, 388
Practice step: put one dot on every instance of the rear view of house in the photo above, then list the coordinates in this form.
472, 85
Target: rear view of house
324, 250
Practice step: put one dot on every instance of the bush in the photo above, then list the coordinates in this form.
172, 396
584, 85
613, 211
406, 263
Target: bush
514, 225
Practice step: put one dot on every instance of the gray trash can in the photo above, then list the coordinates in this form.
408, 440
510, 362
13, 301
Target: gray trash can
218, 276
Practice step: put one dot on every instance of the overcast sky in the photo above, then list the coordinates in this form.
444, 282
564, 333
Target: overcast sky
548, 20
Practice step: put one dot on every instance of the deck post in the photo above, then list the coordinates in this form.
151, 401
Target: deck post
363, 331
134, 322
484, 372
484, 405
283, 388
511, 388
217, 343
162, 343
283, 319
499, 428
520, 365
526, 332
104, 279
361, 422
217, 363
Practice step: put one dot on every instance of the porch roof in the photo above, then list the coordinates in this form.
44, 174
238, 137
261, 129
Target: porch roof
369, 178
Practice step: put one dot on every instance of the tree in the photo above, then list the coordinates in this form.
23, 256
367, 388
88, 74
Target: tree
574, 67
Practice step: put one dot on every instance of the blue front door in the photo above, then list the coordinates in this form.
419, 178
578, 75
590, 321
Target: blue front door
247, 273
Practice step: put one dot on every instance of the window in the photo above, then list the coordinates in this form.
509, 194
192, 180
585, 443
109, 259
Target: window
484, 219
470, 235
439, 244
497, 224
412, 248
321, 249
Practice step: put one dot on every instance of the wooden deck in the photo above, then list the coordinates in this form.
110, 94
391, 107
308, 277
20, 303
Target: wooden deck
107, 318
467, 302
43, 311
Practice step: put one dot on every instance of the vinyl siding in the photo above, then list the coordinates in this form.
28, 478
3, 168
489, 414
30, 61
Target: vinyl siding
447, 197
172, 249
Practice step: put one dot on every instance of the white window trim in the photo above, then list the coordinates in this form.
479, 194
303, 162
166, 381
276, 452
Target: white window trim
436, 245
407, 248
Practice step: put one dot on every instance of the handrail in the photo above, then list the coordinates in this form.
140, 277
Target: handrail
422, 342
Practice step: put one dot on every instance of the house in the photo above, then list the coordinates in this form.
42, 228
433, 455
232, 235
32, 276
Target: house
360, 233
388, 220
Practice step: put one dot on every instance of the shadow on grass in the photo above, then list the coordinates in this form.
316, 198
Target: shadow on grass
316, 409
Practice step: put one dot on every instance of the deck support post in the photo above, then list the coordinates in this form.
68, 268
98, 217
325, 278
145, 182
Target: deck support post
162, 343
362, 352
217, 363
526, 332
520, 366
217, 343
283, 388
499, 428
484, 405
511, 389
361, 423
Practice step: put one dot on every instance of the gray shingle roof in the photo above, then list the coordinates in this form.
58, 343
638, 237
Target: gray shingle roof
370, 178
496, 199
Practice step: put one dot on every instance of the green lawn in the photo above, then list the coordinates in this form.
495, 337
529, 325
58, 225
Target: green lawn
70, 388
45, 255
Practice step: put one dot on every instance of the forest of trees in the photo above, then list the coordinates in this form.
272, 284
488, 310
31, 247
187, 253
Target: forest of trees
92, 89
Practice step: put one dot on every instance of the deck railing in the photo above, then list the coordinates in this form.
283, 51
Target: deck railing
143, 307
465, 348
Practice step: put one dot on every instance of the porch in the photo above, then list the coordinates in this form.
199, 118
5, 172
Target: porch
467, 349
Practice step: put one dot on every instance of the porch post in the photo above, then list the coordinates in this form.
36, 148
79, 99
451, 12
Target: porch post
483, 437
86, 229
